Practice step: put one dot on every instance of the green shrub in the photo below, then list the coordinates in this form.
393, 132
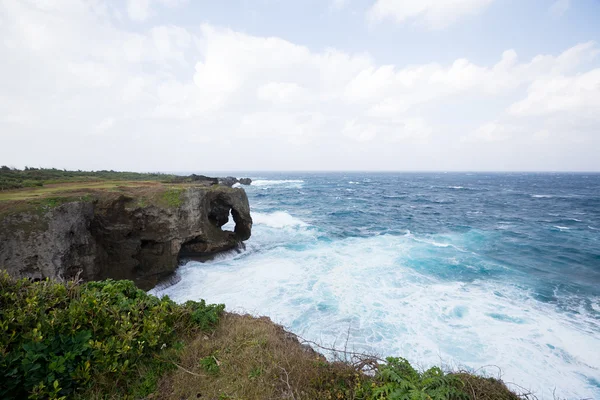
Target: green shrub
398, 380
59, 339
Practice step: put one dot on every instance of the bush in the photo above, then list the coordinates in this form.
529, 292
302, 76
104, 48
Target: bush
60, 339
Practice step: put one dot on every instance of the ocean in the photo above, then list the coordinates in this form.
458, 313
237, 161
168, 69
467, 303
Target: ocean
492, 272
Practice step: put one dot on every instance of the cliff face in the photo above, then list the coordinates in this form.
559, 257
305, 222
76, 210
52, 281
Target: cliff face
123, 235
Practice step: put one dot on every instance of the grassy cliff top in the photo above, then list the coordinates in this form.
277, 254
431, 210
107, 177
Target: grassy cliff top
11, 178
40, 189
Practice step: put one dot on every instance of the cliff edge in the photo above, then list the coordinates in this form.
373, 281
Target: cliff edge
137, 231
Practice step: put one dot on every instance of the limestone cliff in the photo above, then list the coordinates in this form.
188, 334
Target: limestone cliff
136, 234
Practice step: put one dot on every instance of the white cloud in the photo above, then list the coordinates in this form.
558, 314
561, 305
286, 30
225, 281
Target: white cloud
435, 14
281, 92
141, 10
104, 125
165, 91
391, 90
138, 10
559, 94
359, 132
492, 132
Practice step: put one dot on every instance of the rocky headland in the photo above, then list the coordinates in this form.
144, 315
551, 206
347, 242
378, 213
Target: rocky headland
127, 230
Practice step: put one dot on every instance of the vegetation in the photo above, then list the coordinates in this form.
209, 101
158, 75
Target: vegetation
253, 359
399, 380
11, 178
110, 340
64, 340
172, 197
39, 190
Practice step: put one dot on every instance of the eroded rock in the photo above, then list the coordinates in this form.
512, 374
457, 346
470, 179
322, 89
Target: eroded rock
120, 238
231, 180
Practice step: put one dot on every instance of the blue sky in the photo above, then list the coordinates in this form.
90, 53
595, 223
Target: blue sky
301, 85
530, 27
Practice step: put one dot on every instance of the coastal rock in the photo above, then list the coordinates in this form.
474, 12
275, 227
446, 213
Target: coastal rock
203, 178
228, 181
118, 236
231, 180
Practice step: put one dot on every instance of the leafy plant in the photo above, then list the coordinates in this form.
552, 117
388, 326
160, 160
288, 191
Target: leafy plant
60, 338
255, 373
210, 364
398, 380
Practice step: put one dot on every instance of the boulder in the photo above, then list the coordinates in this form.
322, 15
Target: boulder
228, 181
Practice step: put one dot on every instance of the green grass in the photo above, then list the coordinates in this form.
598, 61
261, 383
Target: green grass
173, 197
40, 192
11, 178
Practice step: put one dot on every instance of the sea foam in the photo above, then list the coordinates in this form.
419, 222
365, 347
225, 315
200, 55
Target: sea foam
278, 219
321, 289
275, 182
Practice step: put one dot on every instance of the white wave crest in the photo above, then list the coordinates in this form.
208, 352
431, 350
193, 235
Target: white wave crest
561, 228
273, 182
278, 219
542, 196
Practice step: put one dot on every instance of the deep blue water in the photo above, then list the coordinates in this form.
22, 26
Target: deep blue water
463, 269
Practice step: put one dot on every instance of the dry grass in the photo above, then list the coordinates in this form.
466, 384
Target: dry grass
252, 358
71, 188
480, 388
143, 192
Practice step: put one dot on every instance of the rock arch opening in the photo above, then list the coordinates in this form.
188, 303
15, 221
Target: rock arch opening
219, 213
228, 225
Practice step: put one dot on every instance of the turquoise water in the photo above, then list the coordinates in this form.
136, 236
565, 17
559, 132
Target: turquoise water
474, 271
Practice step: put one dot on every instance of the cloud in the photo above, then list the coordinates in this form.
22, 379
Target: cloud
153, 97
138, 10
281, 92
434, 14
104, 126
492, 132
578, 94
141, 10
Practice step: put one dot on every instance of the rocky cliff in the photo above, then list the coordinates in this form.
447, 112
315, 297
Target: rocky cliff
136, 233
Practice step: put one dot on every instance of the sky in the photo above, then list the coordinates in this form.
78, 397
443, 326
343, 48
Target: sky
304, 85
